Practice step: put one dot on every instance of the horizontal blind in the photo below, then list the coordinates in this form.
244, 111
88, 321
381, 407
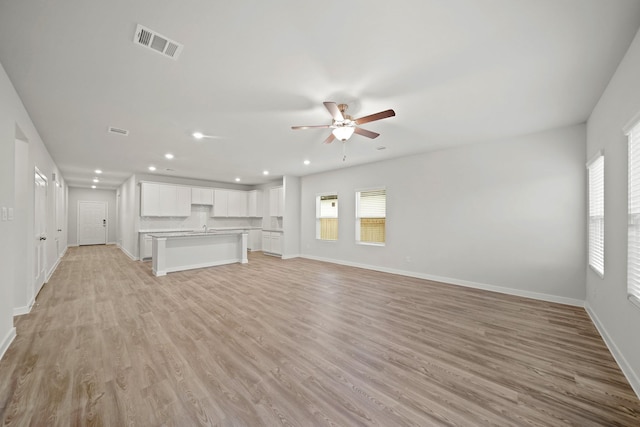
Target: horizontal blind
372, 204
633, 241
596, 214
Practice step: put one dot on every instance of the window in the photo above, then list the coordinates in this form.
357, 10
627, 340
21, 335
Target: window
327, 217
595, 170
633, 240
371, 212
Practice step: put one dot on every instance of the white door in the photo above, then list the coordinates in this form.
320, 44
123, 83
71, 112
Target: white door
40, 231
92, 223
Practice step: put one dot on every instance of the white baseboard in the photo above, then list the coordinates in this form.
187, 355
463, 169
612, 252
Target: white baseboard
459, 282
53, 269
625, 367
6, 342
72, 246
126, 252
19, 311
291, 256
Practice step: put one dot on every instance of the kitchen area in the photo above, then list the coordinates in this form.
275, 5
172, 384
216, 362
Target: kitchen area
181, 226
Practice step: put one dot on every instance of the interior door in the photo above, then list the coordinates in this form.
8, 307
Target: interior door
40, 231
59, 217
92, 223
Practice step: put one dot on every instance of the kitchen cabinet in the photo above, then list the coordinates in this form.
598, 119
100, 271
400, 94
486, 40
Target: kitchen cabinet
229, 203
276, 201
237, 204
164, 200
201, 196
146, 242
220, 202
255, 240
272, 242
254, 204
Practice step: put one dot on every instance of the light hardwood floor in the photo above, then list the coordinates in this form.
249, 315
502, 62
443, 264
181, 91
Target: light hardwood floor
300, 343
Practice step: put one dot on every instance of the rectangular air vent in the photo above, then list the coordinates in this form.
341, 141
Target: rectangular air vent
156, 42
118, 131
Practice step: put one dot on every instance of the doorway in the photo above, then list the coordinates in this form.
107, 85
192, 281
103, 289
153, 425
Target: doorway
92, 223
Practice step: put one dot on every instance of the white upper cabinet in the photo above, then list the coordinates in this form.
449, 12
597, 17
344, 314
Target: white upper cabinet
254, 204
276, 201
201, 196
237, 204
164, 200
220, 202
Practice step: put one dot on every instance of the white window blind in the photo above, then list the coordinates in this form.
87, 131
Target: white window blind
372, 204
633, 242
371, 212
596, 213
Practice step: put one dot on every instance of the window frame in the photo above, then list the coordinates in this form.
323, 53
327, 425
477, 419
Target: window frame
632, 131
358, 192
596, 214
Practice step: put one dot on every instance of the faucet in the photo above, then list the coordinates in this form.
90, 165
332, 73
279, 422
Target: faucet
205, 228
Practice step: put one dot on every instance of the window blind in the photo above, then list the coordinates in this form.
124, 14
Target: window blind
372, 204
596, 213
633, 241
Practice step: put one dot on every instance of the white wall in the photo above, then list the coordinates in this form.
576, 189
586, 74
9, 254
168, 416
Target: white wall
15, 123
91, 195
506, 215
617, 318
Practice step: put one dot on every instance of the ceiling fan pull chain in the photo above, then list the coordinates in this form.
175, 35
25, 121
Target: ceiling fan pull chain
344, 151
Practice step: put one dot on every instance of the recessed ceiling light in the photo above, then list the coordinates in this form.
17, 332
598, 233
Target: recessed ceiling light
98, 171
198, 135
237, 179
93, 186
96, 180
169, 156
152, 168
307, 162
265, 172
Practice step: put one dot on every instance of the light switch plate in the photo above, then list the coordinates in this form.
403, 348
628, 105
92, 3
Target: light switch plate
10, 215
4, 213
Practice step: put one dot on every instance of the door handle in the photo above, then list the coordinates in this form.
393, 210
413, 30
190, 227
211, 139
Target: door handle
59, 229
43, 238
104, 222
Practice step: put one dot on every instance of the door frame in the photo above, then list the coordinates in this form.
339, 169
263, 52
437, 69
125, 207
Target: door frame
106, 217
44, 208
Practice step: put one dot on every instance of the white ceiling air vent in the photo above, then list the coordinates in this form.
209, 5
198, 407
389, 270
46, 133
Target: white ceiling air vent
156, 42
118, 131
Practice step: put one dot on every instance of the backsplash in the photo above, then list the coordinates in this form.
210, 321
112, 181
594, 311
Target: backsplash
199, 217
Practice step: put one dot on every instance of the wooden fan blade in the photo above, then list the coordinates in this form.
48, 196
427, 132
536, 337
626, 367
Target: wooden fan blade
374, 117
366, 133
329, 139
334, 111
310, 127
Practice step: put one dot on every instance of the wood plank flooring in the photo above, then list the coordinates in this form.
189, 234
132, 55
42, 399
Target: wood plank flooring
299, 343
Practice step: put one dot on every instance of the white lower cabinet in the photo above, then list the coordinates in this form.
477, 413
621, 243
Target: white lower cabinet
146, 243
272, 242
255, 240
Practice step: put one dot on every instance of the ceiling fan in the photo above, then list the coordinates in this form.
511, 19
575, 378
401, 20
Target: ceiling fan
344, 125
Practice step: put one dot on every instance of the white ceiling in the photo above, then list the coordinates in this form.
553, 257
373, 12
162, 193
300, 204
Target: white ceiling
454, 71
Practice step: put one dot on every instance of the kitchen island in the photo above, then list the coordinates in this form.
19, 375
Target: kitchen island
189, 250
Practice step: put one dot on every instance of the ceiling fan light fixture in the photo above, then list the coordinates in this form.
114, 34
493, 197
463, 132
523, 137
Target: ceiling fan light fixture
343, 133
